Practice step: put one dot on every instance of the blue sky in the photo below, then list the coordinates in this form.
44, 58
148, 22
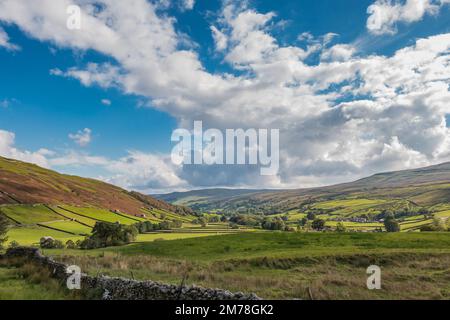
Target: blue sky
131, 116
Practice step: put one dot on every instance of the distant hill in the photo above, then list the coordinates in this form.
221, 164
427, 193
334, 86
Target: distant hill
25, 183
204, 195
423, 186
432, 174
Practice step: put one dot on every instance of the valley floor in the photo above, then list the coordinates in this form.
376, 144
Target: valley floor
286, 265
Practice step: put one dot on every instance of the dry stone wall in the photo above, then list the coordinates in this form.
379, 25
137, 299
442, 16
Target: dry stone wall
126, 289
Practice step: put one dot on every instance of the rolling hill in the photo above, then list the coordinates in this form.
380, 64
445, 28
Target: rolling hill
194, 197
429, 186
23, 183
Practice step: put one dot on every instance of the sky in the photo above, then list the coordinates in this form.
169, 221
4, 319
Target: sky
355, 87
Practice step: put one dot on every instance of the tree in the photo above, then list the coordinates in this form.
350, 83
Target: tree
340, 227
391, 225
302, 222
311, 216
318, 224
71, 245
107, 234
50, 243
4, 224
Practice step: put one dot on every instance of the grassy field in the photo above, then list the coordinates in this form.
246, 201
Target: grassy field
169, 236
73, 223
69, 226
31, 235
100, 215
28, 215
28, 282
286, 265
30, 223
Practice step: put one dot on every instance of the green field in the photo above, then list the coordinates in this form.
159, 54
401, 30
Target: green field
32, 235
70, 222
69, 226
286, 265
169, 236
31, 223
28, 282
282, 244
28, 215
101, 215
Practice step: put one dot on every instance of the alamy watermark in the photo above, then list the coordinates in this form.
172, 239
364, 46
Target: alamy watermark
74, 19
74, 278
232, 147
374, 279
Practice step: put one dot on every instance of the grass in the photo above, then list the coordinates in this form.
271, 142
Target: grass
69, 226
100, 215
73, 223
282, 244
85, 220
169, 236
30, 214
443, 214
31, 235
286, 265
29, 282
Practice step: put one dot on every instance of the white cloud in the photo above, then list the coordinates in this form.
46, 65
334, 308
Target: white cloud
342, 118
386, 14
220, 39
4, 41
137, 171
339, 52
188, 4
104, 75
82, 137
106, 102
9, 150
144, 171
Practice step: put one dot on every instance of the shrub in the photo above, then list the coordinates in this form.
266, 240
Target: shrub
71, 245
14, 244
147, 226
302, 222
318, 224
107, 234
50, 243
311, 216
340, 227
391, 224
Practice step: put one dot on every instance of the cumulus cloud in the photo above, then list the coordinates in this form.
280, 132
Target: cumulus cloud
341, 118
4, 41
188, 4
386, 14
339, 52
9, 150
144, 171
220, 39
82, 137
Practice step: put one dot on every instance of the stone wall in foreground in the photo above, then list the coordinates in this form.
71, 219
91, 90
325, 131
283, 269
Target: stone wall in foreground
125, 289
